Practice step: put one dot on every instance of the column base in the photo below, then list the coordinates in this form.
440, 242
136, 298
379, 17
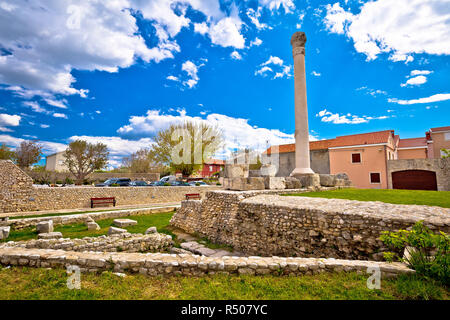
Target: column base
301, 171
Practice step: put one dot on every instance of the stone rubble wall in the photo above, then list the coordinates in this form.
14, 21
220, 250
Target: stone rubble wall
125, 242
17, 193
265, 224
154, 264
18, 224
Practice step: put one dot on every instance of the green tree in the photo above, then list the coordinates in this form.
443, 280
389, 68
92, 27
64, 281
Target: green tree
446, 153
6, 153
83, 158
139, 162
185, 147
28, 153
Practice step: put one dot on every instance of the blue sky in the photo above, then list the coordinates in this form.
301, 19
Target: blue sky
119, 71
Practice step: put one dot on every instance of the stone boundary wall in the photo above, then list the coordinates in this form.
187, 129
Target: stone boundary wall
154, 264
95, 177
301, 226
18, 224
125, 242
440, 166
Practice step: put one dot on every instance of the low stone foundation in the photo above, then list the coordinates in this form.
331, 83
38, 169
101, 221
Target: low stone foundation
264, 224
125, 242
154, 264
18, 224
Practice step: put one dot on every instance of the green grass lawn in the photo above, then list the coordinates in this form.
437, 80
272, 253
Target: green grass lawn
429, 198
30, 283
158, 220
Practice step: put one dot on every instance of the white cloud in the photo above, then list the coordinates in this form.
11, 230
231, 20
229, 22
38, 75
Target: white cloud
60, 115
336, 118
172, 78
257, 42
236, 55
287, 5
36, 107
117, 146
254, 16
238, 133
44, 126
226, 33
431, 99
48, 146
192, 71
278, 67
57, 103
201, 28
316, 74
420, 72
8, 120
400, 28
416, 81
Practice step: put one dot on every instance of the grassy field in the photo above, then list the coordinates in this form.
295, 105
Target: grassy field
30, 283
429, 198
158, 220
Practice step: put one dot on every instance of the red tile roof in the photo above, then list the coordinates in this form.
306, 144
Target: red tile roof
440, 129
215, 161
343, 141
413, 142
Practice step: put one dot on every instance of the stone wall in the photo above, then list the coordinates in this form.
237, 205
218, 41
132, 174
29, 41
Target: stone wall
15, 188
319, 161
125, 242
95, 177
301, 226
154, 264
18, 194
440, 166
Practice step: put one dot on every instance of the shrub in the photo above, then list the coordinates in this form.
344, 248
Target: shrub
114, 185
426, 252
167, 184
59, 182
68, 181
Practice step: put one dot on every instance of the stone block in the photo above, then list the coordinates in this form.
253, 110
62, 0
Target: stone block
309, 179
254, 173
255, 183
123, 223
50, 235
92, 226
4, 232
227, 182
239, 184
275, 183
268, 170
342, 176
236, 171
151, 230
327, 180
293, 183
114, 230
45, 227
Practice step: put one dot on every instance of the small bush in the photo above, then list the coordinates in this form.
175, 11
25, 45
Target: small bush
427, 253
68, 181
59, 182
114, 185
167, 184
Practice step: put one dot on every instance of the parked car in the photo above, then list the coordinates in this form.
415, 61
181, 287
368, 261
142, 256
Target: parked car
139, 184
197, 183
168, 179
158, 183
122, 182
179, 184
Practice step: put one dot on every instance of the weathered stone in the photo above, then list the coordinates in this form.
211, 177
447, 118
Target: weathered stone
151, 230
50, 235
309, 180
123, 223
239, 184
293, 183
92, 226
45, 226
4, 232
268, 170
114, 230
275, 183
255, 183
236, 171
327, 180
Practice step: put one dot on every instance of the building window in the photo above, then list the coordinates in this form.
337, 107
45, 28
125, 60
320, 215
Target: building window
447, 136
356, 157
210, 168
375, 177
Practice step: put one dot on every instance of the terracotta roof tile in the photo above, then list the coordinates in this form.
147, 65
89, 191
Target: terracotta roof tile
440, 129
215, 161
413, 142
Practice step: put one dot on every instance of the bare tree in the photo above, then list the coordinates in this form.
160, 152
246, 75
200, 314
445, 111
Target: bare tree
139, 162
82, 158
28, 153
6, 153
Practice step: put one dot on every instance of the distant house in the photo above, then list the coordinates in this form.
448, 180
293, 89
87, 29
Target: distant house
372, 160
55, 162
211, 167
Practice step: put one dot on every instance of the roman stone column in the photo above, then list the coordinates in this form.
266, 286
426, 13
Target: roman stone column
302, 164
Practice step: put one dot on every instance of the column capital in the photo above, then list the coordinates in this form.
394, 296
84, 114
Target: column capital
298, 41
